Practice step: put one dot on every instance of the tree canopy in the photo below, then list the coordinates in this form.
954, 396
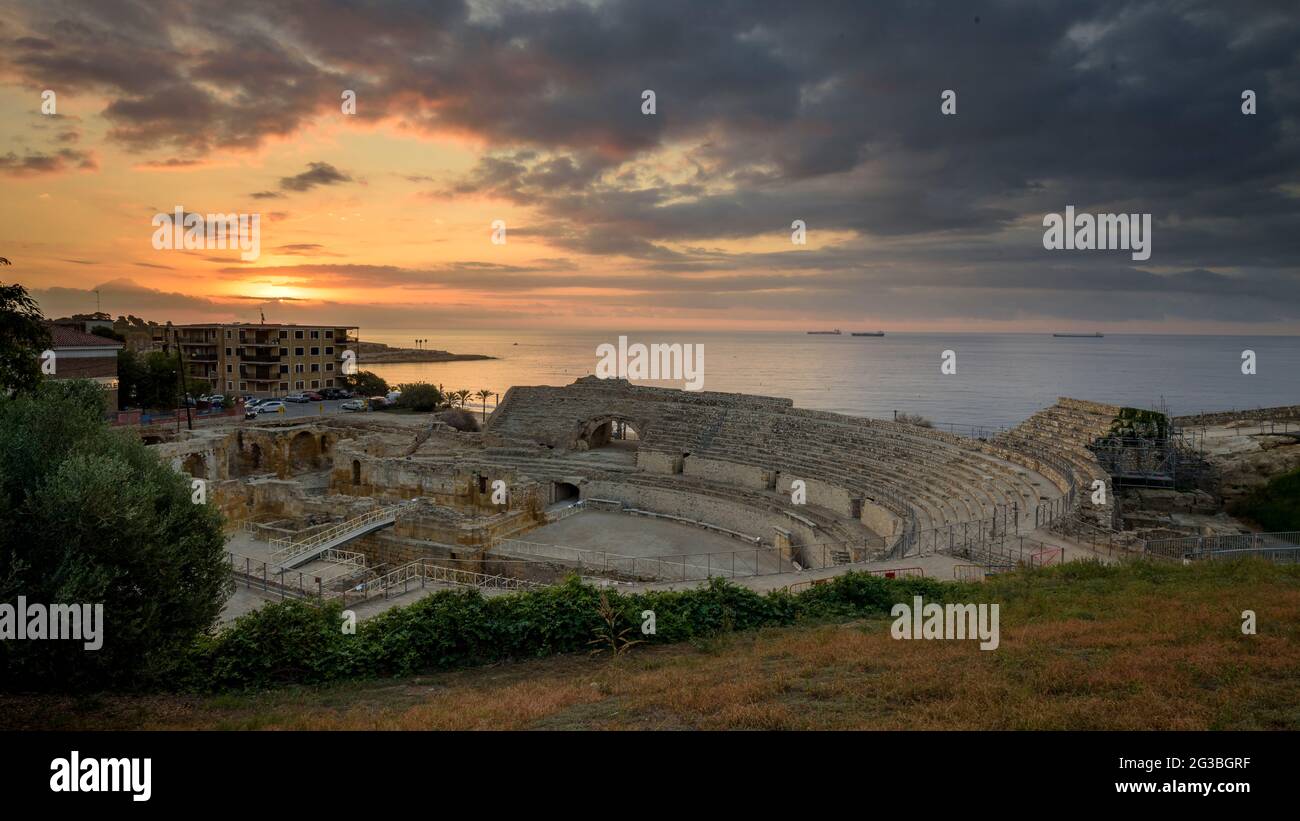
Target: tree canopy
89, 515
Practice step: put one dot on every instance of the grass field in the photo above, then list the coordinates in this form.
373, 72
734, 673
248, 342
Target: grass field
1133, 647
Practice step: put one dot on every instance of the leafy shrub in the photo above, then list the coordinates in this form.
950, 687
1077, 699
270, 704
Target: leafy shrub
292, 642
1275, 506
420, 397
91, 516
459, 419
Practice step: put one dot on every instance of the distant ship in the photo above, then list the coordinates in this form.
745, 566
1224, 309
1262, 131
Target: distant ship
1080, 336
868, 333
835, 332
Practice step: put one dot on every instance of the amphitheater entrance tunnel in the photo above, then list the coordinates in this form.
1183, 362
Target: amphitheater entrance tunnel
565, 492
611, 431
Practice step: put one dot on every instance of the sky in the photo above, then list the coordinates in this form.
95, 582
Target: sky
532, 113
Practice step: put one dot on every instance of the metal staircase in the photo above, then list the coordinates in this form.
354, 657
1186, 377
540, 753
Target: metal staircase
290, 553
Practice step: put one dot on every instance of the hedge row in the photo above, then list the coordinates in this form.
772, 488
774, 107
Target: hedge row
292, 642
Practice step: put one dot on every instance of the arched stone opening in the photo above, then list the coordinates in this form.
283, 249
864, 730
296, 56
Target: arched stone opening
195, 465
303, 451
356, 471
565, 492
611, 432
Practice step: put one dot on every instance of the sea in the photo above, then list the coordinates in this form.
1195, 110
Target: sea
998, 379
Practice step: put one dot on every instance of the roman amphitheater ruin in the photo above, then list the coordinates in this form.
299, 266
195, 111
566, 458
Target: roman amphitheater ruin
636, 485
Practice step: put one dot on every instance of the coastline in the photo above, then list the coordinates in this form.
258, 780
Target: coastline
378, 353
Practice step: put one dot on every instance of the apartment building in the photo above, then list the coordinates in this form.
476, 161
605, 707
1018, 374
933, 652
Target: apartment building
266, 360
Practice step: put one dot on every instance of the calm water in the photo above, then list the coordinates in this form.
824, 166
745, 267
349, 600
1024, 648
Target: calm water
1000, 378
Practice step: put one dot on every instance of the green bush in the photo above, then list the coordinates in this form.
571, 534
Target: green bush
292, 642
419, 396
1275, 506
91, 516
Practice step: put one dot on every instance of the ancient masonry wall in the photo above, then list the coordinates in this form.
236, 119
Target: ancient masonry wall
733, 515
1224, 417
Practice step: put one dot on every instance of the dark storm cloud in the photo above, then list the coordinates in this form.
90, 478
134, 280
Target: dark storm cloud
318, 173
41, 163
768, 112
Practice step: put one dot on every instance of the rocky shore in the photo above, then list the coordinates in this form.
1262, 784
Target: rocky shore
377, 353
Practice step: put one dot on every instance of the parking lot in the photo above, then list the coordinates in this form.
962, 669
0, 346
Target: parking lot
293, 410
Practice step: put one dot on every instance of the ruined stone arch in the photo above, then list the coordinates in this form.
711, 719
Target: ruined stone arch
610, 429
196, 465
304, 451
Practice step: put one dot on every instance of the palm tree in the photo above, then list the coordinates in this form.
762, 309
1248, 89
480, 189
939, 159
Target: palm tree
483, 394
462, 396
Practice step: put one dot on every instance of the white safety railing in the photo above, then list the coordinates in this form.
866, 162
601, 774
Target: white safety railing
288, 551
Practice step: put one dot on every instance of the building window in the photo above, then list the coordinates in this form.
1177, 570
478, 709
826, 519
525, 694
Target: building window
315, 383
298, 384
230, 369
227, 351
230, 386
329, 334
284, 335
329, 383
315, 367
315, 334
329, 350
315, 351
227, 334
284, 369
297, 351
284, 386
297, 335
298, 368
329, 366
243, 386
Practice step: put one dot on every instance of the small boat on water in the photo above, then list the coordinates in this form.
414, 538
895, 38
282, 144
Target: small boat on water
1079, 336
835, 332
868, 333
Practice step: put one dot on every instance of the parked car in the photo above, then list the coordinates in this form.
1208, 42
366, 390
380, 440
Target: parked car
312, 396
296, 397
215, 399
393, 396
377, 402
270, 406
336, 393
352, 405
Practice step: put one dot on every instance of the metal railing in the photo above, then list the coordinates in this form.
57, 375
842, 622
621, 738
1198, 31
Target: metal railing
1282, 546
424, 571
289, 550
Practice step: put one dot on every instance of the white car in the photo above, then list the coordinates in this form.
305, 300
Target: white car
270, 406
352, 405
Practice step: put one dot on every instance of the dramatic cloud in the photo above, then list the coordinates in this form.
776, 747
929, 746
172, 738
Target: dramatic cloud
766, 112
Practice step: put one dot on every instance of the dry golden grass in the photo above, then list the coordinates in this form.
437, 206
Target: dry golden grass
1073, 655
